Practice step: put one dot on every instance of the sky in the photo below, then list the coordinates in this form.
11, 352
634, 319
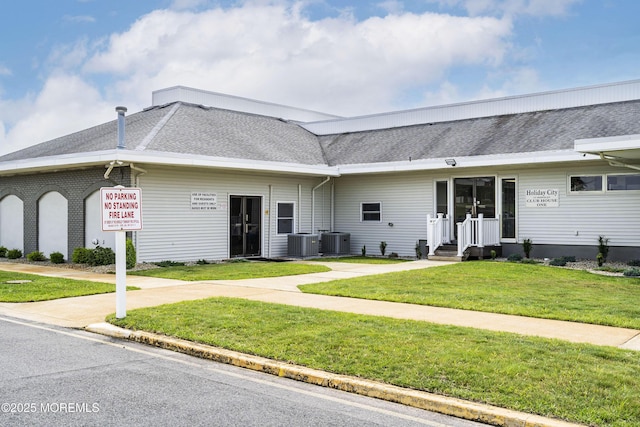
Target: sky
66, 64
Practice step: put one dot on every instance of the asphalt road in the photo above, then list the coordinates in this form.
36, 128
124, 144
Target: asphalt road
63, 377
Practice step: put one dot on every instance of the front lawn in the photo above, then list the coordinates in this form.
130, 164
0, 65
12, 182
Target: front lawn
503, 287
31, 287
577, 382
232, 270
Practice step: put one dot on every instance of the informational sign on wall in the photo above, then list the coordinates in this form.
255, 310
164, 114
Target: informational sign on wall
204, 201
542, 198
121, 209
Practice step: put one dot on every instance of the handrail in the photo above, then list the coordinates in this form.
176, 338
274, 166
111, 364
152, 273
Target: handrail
478, 232
435, 232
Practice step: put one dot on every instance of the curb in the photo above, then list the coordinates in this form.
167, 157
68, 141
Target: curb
431, 402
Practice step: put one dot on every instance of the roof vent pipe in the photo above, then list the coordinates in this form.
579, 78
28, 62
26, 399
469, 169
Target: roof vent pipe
121, 111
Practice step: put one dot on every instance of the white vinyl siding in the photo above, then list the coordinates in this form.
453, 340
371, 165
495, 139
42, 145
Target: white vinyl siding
580, 216
405, 198
174, 231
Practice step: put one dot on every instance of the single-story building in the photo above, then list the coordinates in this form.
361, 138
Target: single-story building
225, 177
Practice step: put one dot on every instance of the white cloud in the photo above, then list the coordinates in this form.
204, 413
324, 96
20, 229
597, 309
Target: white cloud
65, 105
79, 19
5, 71
268, 50
273, 52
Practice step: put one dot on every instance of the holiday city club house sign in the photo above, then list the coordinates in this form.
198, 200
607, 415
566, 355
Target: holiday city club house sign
542, 198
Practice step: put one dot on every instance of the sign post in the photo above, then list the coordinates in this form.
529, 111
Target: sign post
121, 212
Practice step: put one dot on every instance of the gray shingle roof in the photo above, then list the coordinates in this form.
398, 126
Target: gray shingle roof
199, 131
515, 133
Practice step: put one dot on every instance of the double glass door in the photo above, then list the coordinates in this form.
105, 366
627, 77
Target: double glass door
245, 220
474, 196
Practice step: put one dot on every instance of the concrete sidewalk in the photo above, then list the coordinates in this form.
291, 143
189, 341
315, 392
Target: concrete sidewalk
79, 312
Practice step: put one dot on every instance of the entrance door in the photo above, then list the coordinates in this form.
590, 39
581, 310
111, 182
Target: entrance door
245, 221
475, 196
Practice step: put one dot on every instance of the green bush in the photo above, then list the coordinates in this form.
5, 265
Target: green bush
82, 256
364, 251
56, 257
202, 262
558, 262
603, 248
3, 251
632, 272
530, 261
494, 254
514, 258
36, 256
632, 263
569, 258
14, 254
131, 254
103, 256
600, 259
383, 248
169, 263
527, 245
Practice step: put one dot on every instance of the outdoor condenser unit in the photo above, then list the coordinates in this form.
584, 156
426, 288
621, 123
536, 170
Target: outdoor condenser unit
303, 245
335, 243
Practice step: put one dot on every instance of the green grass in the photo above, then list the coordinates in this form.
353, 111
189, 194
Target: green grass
581, 383
502, 287
361, 260
232, 271
42, 288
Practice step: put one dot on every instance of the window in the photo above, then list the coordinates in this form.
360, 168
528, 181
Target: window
586, 183
371, 212
623, 182
285, 217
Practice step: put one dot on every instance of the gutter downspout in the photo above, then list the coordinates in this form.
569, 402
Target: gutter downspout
617, 163
313, 203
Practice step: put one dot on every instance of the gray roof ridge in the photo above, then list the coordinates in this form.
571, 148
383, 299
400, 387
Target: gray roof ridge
158, 127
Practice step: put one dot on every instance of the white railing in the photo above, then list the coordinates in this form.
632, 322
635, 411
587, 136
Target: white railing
478, 232
438, 232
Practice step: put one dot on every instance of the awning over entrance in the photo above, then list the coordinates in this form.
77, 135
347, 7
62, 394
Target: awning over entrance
621, 150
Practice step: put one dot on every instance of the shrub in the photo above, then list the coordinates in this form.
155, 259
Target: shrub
418, 251
103, 256
632, 263
569, 258
169, 263
527, 245
493, 254
82, 256
14, 253
202, 262
603, 248
558, 262
36, 256
632, 272
530, 261
600, 258
383, 248
3, 251
514, 258
364, 251
131, 254
56, 257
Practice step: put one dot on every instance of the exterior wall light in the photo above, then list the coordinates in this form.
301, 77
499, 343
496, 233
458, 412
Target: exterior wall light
450, 162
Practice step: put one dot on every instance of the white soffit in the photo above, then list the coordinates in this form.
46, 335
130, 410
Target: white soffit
623, 146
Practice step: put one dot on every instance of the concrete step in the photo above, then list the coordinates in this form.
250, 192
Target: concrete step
445, 258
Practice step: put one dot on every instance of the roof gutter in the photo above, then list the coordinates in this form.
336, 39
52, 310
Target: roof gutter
617, 162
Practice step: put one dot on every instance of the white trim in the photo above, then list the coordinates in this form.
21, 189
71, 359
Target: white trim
159, 158
293, 217
609, 143
362, 212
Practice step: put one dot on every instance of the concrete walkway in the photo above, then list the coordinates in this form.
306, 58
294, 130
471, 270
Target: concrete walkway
79, 312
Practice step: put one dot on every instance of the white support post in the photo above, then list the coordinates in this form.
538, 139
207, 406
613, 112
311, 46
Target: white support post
430, 236
460, 238
481, 230
121, 274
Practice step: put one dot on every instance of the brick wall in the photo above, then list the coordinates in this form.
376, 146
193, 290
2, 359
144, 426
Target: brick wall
74, 185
